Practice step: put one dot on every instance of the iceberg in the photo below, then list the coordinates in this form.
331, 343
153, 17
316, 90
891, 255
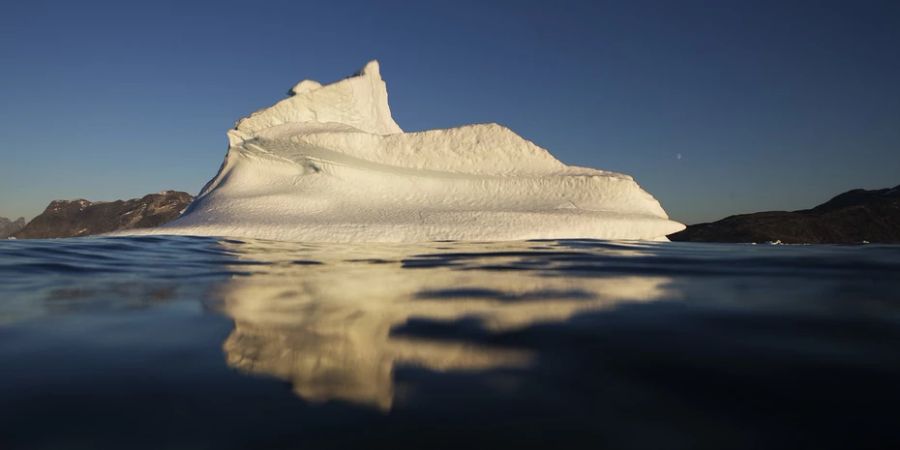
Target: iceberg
330, 164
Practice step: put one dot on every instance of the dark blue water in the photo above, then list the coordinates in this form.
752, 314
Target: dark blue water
175, 342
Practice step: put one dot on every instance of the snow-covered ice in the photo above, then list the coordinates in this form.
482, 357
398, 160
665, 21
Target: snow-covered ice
329, 164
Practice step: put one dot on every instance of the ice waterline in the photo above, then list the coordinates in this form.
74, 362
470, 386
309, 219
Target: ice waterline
329, 164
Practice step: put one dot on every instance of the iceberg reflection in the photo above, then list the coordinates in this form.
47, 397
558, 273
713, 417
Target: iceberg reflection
323, 318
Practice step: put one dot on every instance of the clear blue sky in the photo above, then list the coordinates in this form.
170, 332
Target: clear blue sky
770, 104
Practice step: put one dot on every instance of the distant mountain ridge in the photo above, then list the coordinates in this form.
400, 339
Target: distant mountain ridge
8, 227
850, 218
70, 218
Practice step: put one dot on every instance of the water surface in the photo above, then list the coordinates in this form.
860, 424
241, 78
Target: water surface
183, 342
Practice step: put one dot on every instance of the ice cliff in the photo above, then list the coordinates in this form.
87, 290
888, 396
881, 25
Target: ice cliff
329, 164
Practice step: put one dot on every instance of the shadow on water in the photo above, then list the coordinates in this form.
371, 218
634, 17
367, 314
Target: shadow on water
526, 344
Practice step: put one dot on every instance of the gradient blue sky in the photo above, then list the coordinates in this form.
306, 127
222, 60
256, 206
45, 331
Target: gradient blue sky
715, 107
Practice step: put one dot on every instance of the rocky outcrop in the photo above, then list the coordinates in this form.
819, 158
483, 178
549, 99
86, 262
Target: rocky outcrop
850, 218
69, 218
9, 227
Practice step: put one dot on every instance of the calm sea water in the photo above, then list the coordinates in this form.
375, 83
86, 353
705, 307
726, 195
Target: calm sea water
178, 342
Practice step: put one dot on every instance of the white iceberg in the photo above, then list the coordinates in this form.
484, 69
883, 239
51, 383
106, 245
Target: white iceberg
329, 164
